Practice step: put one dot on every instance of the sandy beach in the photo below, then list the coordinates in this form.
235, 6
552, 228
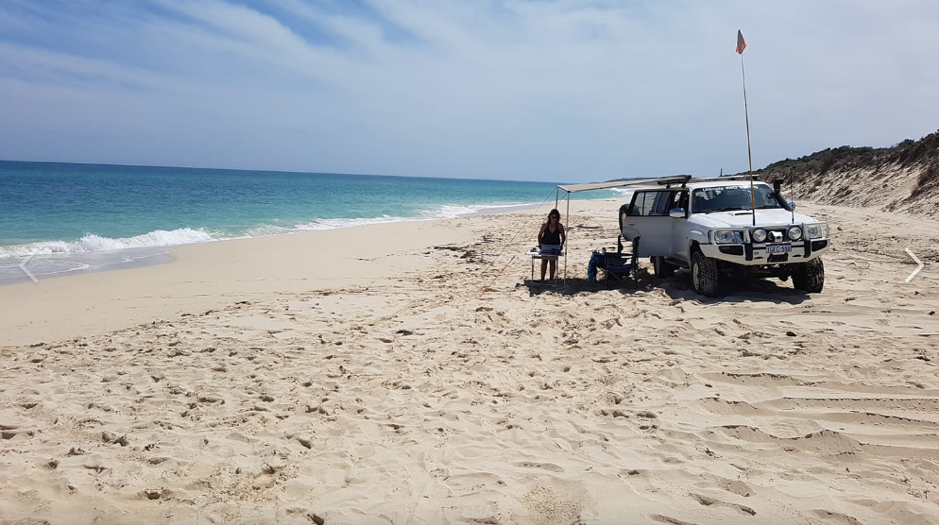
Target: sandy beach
369, 376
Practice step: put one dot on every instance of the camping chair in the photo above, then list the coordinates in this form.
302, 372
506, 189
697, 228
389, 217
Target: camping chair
621, 266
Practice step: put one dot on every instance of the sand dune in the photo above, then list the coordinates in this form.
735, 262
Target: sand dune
416, 397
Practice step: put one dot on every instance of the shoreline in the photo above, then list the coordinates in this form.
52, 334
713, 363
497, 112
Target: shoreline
162, 254
210, 274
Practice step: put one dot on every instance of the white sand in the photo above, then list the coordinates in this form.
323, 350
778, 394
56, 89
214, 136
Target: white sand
362, 376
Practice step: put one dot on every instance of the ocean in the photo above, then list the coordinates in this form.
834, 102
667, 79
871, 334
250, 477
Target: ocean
66, 218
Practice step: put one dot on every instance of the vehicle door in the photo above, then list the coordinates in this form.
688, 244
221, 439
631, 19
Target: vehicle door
680, 227
647, 217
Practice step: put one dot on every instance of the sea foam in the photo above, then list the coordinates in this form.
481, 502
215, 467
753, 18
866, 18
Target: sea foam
97, 243
159, 238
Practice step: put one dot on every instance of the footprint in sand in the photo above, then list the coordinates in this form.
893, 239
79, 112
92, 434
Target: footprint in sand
708, 501
544, 466
669, 520
836, 517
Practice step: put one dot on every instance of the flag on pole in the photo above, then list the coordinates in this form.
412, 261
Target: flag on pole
741, 43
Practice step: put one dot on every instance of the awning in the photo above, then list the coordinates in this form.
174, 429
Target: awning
641, 183
574, 188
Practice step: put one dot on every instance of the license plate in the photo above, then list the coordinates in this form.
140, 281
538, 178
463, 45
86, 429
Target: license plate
778, 248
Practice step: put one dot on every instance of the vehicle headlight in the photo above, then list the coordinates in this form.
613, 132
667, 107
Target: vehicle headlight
795, 233
728, 237
758, 235
816, 231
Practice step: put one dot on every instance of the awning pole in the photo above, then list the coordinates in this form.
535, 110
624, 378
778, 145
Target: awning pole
567, 235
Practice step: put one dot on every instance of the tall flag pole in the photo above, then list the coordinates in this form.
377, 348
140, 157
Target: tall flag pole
741, 45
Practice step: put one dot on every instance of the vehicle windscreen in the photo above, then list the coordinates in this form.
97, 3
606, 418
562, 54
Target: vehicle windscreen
729, 198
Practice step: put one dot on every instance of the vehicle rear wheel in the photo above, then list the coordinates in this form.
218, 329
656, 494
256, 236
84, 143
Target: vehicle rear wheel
662, 268
810, 276
704, 278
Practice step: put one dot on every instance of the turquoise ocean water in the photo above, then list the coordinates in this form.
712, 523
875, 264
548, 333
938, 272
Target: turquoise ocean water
67, 218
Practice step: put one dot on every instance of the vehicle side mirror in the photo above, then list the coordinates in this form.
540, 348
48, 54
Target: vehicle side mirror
792, 204
676, 213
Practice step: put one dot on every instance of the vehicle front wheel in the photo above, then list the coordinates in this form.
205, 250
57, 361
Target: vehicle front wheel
810, 276
661, 268
704, 274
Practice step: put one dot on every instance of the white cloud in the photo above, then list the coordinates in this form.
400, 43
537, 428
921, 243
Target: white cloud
549, 90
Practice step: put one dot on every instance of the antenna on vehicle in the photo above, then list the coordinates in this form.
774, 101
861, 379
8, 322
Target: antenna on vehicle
741, 45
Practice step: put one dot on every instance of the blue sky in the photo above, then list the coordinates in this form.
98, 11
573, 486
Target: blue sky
570, 90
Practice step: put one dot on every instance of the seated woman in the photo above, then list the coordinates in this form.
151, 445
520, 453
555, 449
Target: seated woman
551, 234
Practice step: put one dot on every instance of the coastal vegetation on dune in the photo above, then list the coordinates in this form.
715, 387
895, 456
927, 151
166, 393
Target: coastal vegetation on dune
900, 178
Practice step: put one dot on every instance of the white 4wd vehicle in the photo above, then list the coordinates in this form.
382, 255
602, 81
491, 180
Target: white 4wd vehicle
707, 225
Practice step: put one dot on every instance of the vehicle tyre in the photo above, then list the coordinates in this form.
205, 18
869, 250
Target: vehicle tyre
704, 274
810, 276
662, 268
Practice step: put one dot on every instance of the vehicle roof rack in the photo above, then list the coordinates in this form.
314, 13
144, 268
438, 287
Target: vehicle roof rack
677, 179
683, 180
725, 177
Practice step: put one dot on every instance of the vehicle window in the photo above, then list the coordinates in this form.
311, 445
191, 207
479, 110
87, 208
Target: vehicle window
728, 198
651, 203
639, 207
662, 200
681, 200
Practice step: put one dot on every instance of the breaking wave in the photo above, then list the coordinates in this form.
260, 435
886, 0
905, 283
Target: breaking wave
97, 243
158, 238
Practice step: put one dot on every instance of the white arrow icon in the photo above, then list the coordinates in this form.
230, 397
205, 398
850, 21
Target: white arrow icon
27, 272
916, 271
